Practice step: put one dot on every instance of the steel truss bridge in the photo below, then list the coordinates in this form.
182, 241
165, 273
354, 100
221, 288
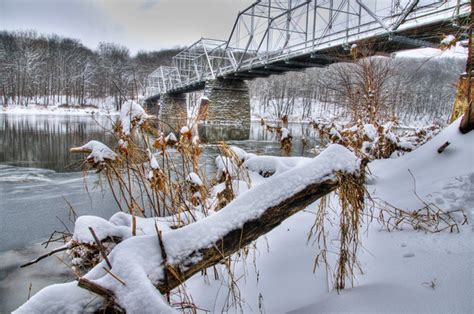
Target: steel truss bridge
276, 36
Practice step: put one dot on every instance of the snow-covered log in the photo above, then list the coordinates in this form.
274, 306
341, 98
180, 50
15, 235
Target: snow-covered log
142, 263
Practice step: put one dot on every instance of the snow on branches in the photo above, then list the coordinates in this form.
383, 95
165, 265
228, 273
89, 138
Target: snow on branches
98, 152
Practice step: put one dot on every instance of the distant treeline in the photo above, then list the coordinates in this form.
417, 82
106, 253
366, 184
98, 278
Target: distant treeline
410, 88
50, 69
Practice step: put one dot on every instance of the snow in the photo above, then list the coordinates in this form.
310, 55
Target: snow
130, 112
226, 165
101, 227
448, 40
273, 165
99, 151
171, 137
153, 162
120, 225
241, 154
47, 301
184, 130
285, 133
370, 131
399, 267
455, 161
456, 51
194, 179
56, 110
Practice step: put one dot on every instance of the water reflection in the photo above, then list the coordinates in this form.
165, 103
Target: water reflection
215, 133
257, 139
43, 141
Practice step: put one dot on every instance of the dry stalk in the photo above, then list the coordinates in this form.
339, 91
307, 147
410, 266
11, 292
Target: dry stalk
351, 195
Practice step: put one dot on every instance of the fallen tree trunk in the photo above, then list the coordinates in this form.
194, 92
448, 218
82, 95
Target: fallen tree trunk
229, 244
251, 231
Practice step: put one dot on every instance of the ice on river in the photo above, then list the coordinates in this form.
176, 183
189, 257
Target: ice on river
35, 202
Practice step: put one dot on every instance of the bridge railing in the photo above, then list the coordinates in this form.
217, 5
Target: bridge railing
269, 31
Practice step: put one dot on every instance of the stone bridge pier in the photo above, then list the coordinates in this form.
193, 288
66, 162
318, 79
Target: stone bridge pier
173, 112
226, 102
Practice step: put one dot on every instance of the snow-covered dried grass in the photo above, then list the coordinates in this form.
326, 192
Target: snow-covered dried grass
374, 140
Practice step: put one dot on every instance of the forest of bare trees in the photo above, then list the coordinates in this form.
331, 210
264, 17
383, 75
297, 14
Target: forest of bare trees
51, 70
409, 88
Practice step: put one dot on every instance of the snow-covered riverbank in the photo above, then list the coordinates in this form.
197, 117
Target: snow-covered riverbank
404, 270
55, 110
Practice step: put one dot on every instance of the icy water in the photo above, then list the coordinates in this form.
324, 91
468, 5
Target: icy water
40, 180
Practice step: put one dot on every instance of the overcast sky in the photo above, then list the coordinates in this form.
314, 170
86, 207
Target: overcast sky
137, 24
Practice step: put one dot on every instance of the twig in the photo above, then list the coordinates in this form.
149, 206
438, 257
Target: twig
119, 90
164, 257
60, 249
113, 275
443, 147
95, 288
101, 248
29, 290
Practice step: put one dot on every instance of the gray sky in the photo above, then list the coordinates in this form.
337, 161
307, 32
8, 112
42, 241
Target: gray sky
137, 24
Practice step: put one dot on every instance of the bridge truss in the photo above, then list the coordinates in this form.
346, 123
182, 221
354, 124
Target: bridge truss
275, 36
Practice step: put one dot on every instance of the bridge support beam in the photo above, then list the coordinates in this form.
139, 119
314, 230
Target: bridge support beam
229, 102
173, 112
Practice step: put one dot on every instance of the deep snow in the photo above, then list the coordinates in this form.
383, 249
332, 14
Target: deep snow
405, 271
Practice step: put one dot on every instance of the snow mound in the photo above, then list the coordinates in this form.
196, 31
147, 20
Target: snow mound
285, 133
226, 165
269, 165
448, 40
171, 138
